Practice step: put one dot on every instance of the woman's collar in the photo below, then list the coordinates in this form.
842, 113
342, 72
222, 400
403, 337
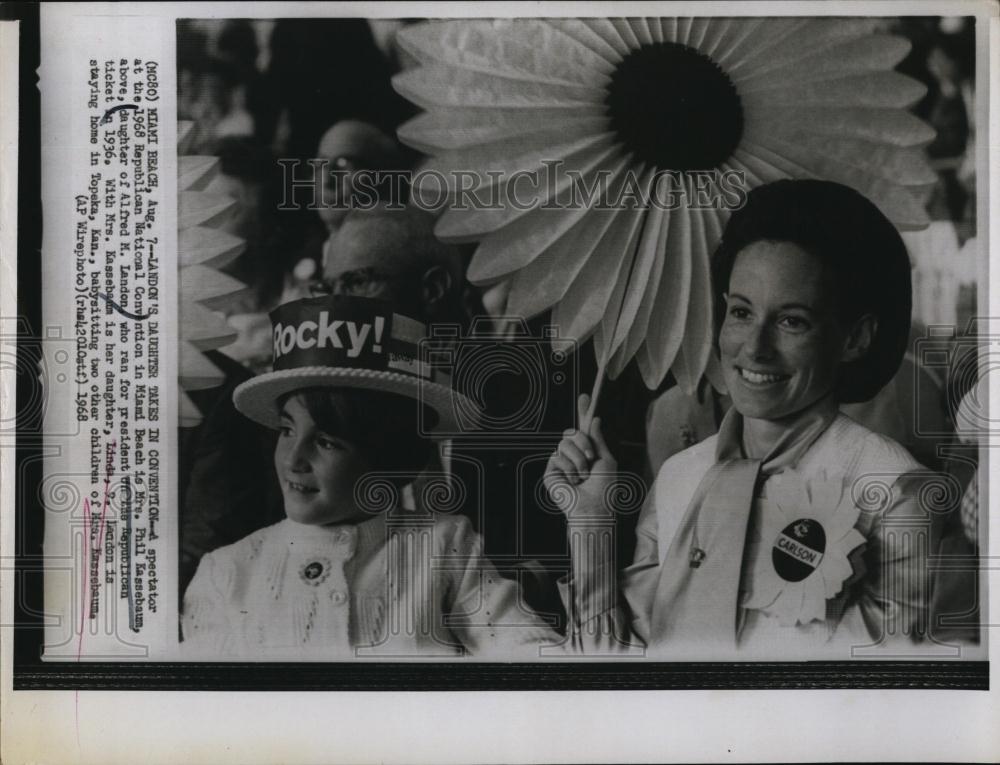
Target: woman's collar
736, 440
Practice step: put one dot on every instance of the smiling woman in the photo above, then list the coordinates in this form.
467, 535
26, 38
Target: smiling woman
855, 263
795, 532
781, 342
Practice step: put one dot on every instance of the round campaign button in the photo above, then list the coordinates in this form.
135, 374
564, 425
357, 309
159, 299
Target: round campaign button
798, 550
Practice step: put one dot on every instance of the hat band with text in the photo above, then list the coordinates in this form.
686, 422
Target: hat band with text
346, 332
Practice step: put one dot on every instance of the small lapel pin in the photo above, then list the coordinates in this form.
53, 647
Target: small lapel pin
697, 556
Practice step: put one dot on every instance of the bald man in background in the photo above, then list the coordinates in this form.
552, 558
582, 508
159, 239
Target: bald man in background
390, 252
350, 147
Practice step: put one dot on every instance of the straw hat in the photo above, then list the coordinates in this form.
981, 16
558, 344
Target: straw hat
351, 342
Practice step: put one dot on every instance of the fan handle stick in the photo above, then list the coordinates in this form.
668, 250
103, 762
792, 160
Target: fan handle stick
602, 367
595, 394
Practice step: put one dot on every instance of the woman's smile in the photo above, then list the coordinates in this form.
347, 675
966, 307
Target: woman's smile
760, 379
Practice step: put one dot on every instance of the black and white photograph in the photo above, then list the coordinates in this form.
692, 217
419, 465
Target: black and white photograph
501, 383
679, 276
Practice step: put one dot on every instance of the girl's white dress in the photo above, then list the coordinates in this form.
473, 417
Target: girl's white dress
399, 585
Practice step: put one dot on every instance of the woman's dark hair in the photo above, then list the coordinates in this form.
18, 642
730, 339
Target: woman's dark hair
859, 248
385, 427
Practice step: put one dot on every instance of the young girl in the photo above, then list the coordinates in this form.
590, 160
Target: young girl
348, 573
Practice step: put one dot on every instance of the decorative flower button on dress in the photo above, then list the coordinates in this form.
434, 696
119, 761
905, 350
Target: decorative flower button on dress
315, 572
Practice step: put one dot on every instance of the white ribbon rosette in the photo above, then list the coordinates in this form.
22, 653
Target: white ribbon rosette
801, 546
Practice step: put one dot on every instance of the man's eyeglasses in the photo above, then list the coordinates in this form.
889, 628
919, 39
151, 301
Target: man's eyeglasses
360, 282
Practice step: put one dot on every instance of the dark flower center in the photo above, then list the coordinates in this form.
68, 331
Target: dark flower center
674, 107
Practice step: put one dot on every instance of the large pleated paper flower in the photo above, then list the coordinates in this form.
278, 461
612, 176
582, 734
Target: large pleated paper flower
800, 547
202, 248
669, 108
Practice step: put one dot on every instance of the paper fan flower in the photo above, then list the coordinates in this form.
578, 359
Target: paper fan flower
655, 105
800, 548
202, 248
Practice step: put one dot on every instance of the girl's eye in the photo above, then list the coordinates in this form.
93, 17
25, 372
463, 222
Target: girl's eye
284, 431
328, 444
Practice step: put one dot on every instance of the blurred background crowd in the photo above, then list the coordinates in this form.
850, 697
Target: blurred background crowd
301, 89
